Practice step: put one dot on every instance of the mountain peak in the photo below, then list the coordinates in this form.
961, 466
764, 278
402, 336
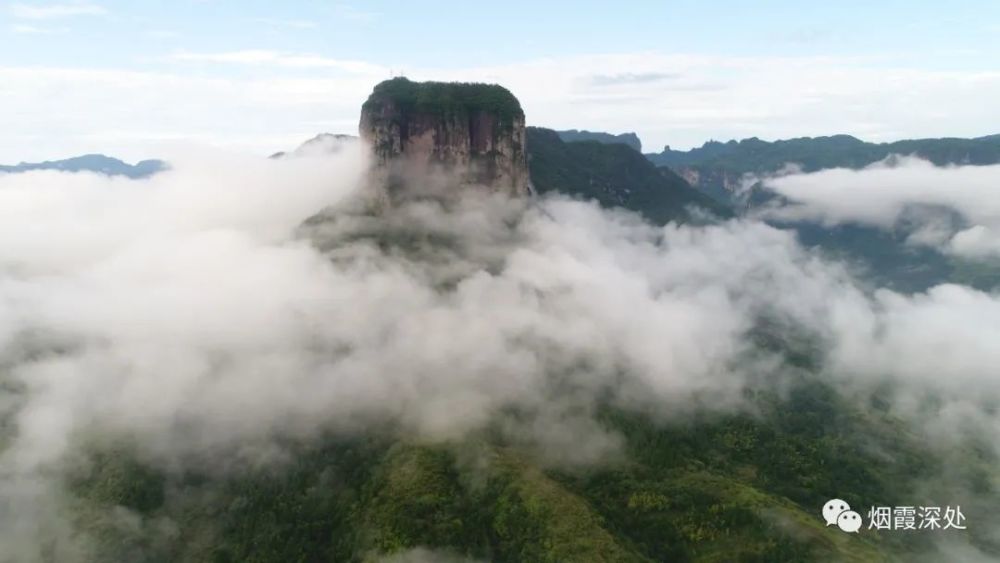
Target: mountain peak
321, 144
97, 163
574, 135
474, 130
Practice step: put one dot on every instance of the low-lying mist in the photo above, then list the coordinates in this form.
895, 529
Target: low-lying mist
953, 208
208, 311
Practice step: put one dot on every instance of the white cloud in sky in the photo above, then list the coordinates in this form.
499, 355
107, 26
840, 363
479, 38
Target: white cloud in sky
26, 29
55, 11
693, 99
162, 34
134, 114
290, 24
352, 13
265, 57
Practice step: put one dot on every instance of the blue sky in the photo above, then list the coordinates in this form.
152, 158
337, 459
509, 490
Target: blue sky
127, 77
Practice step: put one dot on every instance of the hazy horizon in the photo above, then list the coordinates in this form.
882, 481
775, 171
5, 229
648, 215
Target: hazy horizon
645, 149
260, 77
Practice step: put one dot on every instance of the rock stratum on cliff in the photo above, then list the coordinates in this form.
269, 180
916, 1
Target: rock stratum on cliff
472, 132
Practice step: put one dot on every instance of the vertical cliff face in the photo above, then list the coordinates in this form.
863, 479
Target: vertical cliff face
472, 132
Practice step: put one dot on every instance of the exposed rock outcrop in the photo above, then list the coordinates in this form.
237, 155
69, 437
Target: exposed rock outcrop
472, 132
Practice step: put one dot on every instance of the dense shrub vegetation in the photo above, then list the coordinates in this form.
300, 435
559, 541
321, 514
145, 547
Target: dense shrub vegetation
614, 175
446, 99
736, 487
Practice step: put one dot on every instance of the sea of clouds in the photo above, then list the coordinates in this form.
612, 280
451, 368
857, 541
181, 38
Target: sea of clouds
954, 208
209, 309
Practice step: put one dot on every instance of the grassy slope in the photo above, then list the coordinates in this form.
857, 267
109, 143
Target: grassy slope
446, 99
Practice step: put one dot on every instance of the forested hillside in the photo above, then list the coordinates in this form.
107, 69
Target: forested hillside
614, 175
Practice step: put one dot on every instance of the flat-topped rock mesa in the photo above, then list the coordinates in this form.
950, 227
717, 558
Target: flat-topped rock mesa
474, 131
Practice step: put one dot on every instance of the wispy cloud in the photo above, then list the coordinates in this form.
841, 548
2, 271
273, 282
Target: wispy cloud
296, 94
632, 78
348, 12
903, 190
25, 29
162, 34
289, 24
276, 58
54, 11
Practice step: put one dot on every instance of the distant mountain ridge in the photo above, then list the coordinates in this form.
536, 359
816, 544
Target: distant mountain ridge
97, 163
614, 175
720, 168
321, 144
731, 173
573, 135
